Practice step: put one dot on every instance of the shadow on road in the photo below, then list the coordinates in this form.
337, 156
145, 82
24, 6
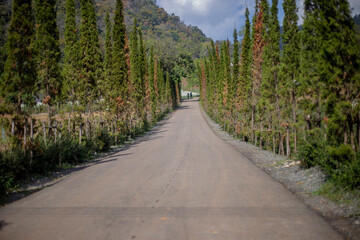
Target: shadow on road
39, 184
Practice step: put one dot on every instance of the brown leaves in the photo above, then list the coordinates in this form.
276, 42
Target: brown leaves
46, 100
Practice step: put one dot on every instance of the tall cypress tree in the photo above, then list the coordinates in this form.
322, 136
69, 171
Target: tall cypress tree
135, 70
71, 54
243, 88
20, 67
332, 29
271, 65
91, 57
105, 88
48, 51
290, 66
120, 56
236, 63
257, 73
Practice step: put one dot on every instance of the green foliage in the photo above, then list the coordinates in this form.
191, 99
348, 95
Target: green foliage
102, 141
91, 57
312, 151
47, 49
70, 70
20, 66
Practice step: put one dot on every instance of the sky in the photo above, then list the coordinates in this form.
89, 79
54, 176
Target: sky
218, 18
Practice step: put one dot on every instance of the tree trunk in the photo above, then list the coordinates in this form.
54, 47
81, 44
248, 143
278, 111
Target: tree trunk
274, 144
44, 131
294, 120
288, 150
116, 137
55, 131
281, 145
25, 133
69, 123
80, 132
252, 123
261, 132
12, 127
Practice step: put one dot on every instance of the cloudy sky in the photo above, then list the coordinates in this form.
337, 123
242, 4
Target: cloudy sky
217, 18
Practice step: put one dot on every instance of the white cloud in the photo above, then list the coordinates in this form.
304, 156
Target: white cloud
217, 18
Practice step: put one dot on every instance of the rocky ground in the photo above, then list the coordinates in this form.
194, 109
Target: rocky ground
345, 218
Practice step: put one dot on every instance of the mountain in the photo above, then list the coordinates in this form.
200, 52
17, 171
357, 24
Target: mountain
357, 19
169, 36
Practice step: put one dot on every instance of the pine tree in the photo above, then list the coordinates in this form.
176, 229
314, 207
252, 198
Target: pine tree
270, 84
337, 63
153, 83
236, 63
290, 68
70, 71
120, 58
5, 16
243, 88
137, 71
168, 91
91, 58
19, 79
257, 51
106, 88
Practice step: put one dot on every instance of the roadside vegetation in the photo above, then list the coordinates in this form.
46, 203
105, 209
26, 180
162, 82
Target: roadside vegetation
65, 99
294, 92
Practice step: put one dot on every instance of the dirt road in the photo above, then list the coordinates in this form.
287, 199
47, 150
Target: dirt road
182, 182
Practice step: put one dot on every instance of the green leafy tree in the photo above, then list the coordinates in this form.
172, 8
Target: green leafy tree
270, 84
70, 70
290, 68
120, 59
106, 88
19, 79
257, 71
243, 87
48, 51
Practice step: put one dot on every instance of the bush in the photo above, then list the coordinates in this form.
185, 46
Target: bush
349, 175
313, 152
102, 141
13, 167
338, 158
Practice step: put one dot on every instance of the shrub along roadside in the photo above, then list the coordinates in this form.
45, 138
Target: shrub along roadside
340, 163
17, 164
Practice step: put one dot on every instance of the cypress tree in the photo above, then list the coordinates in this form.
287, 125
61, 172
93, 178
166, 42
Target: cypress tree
257, 51
271, 67
106, 89
135, 70
71, 54
20, 67
243, 88
48, 51
168, 91
290, 66
153, 84
337, 63
236, 64
120, 57
91, 58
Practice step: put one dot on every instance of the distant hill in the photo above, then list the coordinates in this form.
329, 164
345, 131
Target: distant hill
357, 19
169, 35
159, 28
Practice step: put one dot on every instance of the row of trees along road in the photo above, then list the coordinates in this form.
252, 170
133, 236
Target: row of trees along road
296, 92
87, 96
127, 85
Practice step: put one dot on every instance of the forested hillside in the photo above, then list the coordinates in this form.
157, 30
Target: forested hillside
300, 100
173, 41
